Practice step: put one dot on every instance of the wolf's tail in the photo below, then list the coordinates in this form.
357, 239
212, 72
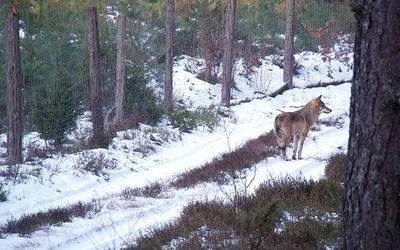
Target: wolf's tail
279, 137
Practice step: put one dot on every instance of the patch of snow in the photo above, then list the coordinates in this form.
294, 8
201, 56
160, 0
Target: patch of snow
147, 155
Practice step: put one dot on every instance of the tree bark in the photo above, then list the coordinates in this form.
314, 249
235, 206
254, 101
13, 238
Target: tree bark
169, 31
228, 54
94, 71
289, 41
14, 91
371, 208
120, 82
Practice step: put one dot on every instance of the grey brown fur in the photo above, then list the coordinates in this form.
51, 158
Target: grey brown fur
297, 124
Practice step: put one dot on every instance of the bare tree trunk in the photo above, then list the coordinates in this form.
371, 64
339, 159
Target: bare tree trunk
94, 71
120, 83
14, 108
228, 54
372, 184
289, 41
169, 31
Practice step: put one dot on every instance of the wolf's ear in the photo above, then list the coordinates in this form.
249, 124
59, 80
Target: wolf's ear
319, 97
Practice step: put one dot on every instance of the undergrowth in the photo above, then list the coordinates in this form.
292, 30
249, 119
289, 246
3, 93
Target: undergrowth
282, 213
3, 193
96, 163
27, 224
187, 120
219, 168
154, 190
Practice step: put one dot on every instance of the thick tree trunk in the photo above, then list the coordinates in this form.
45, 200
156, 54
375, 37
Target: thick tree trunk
169, 31
372, 184
228, 54
14, 91
289, 44
94, 70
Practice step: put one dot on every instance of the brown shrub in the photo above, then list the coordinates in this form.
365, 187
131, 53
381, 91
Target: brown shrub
29, 223
309, 233
322, 195
335, 169
282, 213
154, 190
311, 219
250, 153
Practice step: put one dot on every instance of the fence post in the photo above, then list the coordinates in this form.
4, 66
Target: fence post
14, 92
94, 72
120, 83
289, 40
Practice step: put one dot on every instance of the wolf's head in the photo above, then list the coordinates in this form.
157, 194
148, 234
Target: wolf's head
322, 108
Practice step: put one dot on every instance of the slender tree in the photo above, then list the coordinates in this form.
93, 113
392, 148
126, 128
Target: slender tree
120, 81
14, 91
169, 30
228, 53
94, 69
372, 183
289, 44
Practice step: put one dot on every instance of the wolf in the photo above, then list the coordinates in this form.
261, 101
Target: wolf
297, 124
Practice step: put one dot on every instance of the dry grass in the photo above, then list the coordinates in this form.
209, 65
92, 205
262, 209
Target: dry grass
336, 168
97, 163
300, 220
27, 224
155, 190
250, 153
283, 213
3, 193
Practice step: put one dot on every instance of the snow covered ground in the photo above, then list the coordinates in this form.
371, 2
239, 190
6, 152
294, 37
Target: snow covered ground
58, 181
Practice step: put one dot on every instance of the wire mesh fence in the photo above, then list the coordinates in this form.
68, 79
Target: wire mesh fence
55, 57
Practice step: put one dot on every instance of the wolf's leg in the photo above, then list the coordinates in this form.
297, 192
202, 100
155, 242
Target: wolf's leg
284, 155
302, 139
296, 143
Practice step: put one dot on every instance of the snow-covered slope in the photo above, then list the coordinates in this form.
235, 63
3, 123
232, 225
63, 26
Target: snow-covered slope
59, 181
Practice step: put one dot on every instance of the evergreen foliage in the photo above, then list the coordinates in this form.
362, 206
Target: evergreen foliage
53, 101
187, 120
141, 100
55, 56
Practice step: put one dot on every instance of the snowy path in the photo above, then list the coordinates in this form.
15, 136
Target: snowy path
120, 221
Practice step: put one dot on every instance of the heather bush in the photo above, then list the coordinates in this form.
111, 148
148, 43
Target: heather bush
220, 168
282, 213
27, 224
153, 190
3, 193
98, 164
336, 168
